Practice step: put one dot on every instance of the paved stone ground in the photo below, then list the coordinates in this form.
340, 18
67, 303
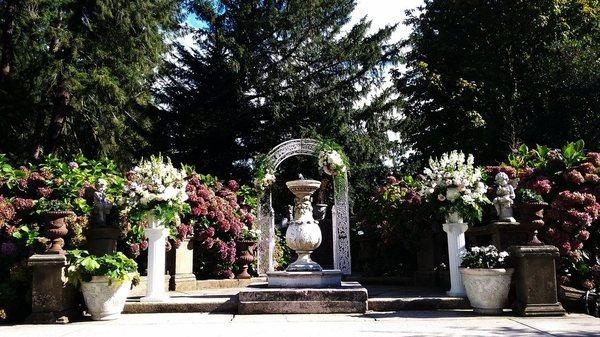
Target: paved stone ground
401, 323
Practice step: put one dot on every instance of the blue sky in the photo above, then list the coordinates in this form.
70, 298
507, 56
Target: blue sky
381, 12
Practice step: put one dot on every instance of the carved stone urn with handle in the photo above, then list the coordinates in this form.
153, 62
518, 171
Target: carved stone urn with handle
303, 234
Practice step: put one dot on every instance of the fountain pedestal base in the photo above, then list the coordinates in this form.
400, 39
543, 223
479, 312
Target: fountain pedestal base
305, 279
258, 298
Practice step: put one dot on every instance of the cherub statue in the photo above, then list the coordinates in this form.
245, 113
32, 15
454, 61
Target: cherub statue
505, 195
102, 205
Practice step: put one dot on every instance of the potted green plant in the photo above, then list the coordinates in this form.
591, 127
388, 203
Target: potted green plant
105, 281
486, 278
530, 206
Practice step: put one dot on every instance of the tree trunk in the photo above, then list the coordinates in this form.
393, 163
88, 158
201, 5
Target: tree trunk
59, 116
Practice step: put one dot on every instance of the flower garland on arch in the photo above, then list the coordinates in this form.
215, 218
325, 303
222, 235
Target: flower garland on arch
333, 161
264, 175
331, 158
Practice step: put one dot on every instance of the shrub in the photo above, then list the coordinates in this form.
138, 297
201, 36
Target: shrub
568, 180
25, 193
82, 267
219, 212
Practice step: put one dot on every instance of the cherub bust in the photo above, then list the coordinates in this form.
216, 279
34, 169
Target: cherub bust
102, 205
505, 195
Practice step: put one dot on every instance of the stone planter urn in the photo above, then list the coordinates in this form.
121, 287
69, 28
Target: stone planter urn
55, 229
487, 289
104, 301
245, 249
532, 212
303, 234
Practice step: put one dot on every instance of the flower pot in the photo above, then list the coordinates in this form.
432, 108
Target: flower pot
55, 229
320, 211
532, 212
245, 251
104, 301
487, 289
454, 217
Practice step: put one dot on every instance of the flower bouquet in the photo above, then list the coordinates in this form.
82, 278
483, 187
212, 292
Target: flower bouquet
455, 184
264, 179
332, 162
155, 191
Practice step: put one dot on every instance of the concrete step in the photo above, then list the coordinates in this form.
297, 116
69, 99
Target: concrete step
380, 298
211, 300
351, 297
387, 298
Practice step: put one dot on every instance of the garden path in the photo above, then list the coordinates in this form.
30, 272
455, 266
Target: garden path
401, 323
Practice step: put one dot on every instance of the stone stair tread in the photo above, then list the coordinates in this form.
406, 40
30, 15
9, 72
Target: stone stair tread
380, 298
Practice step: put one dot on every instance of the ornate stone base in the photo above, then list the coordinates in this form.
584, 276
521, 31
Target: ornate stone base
314, 279
53, 301
180, 265
259, 298
183, 282
536, 281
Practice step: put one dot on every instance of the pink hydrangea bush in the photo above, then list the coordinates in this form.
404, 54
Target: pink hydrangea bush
218, 214
568, 180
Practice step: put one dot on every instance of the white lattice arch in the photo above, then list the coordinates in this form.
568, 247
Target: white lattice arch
340, 211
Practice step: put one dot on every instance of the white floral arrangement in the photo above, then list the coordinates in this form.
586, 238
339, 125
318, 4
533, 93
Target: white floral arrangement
156, 186
250, 234
483, 258
332, 162
263, 182
456, 184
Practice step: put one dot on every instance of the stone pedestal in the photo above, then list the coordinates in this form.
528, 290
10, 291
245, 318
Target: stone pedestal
536, 293
52, 300
456, 244
258, 298
182, 263
317, 279
156, 265
500, 234
102, 240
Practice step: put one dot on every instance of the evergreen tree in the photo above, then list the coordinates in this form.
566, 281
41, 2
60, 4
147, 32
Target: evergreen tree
263, 72
486, 75
76, 74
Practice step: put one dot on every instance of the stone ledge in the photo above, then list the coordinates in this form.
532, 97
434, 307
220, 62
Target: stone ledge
349, 291
224, 304
351, 297
227, 283
302, 307
309, 279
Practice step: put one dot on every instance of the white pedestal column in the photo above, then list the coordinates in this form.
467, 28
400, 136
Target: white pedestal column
156, 265
456, 244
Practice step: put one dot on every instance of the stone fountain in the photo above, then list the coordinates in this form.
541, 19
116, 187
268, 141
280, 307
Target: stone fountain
304, 287
303, 235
